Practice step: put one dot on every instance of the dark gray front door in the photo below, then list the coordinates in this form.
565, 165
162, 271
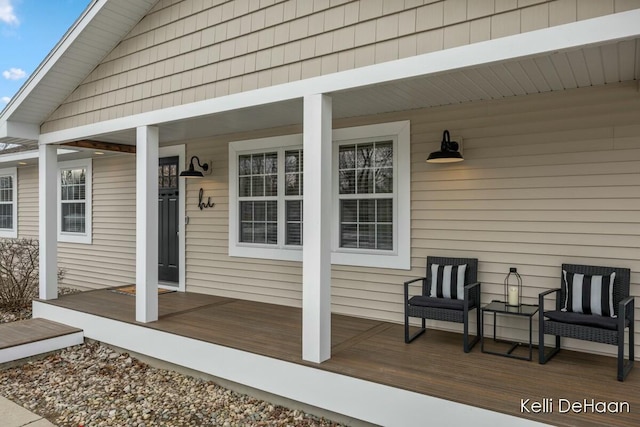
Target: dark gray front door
168, 198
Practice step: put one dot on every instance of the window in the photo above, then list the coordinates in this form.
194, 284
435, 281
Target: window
265, 209
370, 215
8, 203
74, 201
371, 199
365, 188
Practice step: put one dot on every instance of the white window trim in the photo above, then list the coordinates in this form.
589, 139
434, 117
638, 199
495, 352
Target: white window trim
399, 258
86, 237
12, 233
260, 250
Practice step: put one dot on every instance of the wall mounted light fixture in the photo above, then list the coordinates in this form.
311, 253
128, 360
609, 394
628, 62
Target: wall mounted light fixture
192, 172
448, 151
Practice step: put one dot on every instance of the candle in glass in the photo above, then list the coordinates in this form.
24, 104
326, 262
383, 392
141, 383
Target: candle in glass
513, 295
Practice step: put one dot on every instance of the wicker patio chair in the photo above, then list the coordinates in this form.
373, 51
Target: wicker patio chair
428, 305
601, 328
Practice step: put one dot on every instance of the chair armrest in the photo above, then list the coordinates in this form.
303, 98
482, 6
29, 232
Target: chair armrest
472, 289
406, 286
626, 307
544, 294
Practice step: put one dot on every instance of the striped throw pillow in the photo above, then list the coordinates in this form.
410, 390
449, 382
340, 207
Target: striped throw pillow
447, 281
589, 294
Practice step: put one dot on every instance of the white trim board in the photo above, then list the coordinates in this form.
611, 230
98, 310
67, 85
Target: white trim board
565, 37
365, 400
40, 347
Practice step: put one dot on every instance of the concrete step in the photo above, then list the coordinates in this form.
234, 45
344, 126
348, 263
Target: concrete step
31, 337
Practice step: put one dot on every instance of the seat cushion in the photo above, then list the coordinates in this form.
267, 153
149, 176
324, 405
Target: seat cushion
589, 294
422, 301
447, 281
594, 320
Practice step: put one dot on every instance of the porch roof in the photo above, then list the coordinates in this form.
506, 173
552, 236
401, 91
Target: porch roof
375, 351
593, 52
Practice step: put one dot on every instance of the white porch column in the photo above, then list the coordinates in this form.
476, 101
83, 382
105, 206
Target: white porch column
316, 258
48, 220
147, 224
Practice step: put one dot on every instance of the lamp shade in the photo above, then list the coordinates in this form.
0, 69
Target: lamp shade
448, 151
192, 172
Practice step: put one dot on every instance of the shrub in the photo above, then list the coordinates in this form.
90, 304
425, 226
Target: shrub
19, 272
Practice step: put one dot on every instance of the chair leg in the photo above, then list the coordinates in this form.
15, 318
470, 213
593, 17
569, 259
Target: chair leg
465, 339
408, 338
625, 368
542, 357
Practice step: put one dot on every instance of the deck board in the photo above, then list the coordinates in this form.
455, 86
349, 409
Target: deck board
433, 364
29, 331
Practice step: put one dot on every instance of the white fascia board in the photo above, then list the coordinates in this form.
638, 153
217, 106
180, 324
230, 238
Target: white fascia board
54, 56
17, 130
604, 29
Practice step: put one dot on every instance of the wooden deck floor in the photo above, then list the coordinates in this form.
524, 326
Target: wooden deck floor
434, 364
29, 331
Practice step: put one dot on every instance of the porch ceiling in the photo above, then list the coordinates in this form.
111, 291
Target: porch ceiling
587, 66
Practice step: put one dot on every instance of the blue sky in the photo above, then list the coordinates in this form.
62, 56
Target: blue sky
29, 29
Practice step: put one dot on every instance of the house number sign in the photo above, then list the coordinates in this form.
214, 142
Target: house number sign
201, 204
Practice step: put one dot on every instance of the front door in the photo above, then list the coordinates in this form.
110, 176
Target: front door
168, 203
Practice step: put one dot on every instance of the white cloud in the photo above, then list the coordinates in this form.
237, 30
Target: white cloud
14, 73
5, 99
7, 14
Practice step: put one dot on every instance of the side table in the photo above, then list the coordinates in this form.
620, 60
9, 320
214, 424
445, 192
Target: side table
499, 307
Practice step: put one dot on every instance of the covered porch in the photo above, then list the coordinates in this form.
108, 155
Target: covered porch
372, 374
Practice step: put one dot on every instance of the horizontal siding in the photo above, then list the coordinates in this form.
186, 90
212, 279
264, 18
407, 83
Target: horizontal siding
28, 204
189, 50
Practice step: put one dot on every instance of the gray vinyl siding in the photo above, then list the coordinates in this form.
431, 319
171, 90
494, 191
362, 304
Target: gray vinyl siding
190, 50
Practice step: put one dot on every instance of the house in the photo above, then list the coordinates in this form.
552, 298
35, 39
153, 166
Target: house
542, 95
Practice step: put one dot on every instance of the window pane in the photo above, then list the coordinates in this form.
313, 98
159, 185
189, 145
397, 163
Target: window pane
294, 211
294, 234
257, 185
384, 180
384, 154
260, 211
347, 157
384, 234
271, 163
259, 232
348, 236
385, 210
244, 165
348, 182
271, 185
245, 186
73, 217
6, 189
365, 156
348, 210
367, 236
246, 232
272, 233
367, 211
365, 181
6, 216
292, 184
272, 210
257, 164
246, 211
291, 163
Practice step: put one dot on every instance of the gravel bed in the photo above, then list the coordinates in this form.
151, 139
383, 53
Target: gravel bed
25, 313
91, 385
